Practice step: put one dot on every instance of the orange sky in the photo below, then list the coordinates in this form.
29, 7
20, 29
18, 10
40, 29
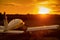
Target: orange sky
28, 6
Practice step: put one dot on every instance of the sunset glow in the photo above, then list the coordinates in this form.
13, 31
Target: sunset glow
30, 6
43, 10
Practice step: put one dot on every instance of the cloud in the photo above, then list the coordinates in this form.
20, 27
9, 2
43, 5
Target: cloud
16, 2
20, 6
19, 2
13, 4
41, 0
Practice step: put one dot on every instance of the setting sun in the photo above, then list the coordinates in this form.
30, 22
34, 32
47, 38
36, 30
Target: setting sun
43, 10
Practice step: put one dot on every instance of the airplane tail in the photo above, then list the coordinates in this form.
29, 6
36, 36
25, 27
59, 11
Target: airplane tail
5, 22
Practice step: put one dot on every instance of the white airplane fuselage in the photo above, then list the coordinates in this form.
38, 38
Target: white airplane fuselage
18, 23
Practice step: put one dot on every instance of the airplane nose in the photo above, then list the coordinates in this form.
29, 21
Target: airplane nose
15, 23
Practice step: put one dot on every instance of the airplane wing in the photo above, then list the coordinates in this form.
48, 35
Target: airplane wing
9, 31
42, 28
14, 31
1, 28
29, 29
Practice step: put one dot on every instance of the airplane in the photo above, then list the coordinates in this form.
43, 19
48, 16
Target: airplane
18, 23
